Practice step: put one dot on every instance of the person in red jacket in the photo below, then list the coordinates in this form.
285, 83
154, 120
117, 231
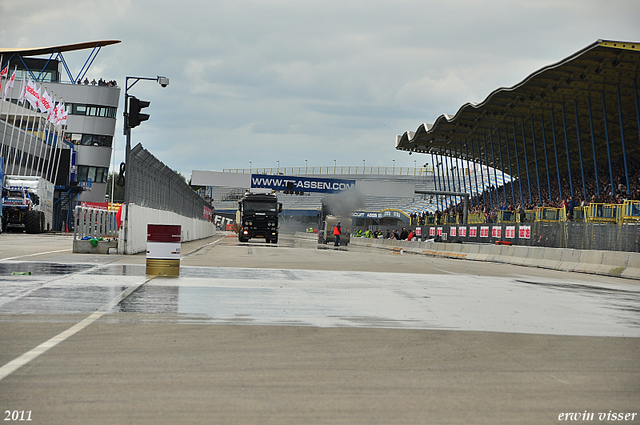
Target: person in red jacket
337, 231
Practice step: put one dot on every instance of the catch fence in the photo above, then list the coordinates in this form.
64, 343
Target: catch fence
154, 185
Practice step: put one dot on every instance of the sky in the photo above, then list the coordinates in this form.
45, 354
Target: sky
295, 83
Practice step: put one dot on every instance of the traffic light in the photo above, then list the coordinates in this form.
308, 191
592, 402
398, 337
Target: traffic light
135, 117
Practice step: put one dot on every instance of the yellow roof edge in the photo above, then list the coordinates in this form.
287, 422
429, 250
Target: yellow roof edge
625, 45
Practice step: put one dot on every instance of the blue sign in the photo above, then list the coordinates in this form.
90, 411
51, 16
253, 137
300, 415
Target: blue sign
301, 184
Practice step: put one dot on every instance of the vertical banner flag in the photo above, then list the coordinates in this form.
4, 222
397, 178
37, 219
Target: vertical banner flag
9, 85
32, 94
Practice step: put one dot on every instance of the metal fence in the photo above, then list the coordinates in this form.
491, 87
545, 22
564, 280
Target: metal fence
94, 223
154, 185
573, 235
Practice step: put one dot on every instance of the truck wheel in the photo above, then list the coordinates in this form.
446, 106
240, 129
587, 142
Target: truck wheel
32, 222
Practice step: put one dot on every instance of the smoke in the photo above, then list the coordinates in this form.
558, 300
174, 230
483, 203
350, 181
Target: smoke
343, 204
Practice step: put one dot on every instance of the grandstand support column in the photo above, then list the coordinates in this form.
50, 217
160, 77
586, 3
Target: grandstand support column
584, 189
495, 171
464, 181
526, 160
482, 181
635, 94
624, 151
546, 157
515, 148
475, 175
504, 188
486, 160
506, 139
555, 150
606, 135
447, 171
566, 144
535, 158
593, 146
452, 185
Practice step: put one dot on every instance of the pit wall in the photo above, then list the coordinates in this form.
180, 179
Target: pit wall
139, 217
608, 263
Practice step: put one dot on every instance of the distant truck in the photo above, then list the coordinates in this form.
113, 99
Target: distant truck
257, 216
325, 235
27, 204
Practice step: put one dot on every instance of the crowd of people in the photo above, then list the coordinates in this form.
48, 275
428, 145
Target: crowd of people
401, 235
100, 82
508, 197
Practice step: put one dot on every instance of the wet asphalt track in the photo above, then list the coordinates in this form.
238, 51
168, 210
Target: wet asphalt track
296, 286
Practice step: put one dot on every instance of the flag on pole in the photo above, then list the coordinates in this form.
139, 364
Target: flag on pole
23, 90
60, 114
32, 94
10, 84
3, 72
46, 103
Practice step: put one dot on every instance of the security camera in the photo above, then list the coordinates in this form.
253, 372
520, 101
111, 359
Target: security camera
163, 81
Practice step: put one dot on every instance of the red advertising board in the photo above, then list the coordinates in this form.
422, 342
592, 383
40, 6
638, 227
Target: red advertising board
484, 231
525, 232
473, 231
452, 231
496, 232
510, 232
462, 232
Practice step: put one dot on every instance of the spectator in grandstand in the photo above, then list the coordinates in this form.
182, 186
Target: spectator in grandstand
404, 234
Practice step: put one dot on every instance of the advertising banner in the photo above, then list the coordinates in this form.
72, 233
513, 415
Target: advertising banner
525, 232
301, 184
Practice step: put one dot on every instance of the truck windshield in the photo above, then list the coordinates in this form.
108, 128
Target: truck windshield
260, 206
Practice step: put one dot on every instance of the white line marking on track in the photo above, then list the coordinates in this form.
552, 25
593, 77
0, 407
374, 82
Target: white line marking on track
33, 255
17, 363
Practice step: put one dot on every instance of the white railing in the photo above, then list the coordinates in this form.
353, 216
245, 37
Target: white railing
94, 223
335, 170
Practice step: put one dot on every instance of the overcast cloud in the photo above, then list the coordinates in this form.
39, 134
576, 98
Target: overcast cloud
277, 80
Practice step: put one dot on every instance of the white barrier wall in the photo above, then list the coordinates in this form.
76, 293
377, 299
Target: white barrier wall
610, 263
139, 217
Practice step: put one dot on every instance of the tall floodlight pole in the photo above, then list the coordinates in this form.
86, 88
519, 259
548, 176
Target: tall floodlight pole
133, 118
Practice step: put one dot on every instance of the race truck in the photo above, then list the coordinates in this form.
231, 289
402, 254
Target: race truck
325, 235
27, 204
257, 216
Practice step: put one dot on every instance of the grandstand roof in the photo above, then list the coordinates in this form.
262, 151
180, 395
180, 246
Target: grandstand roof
569, 91
36, 51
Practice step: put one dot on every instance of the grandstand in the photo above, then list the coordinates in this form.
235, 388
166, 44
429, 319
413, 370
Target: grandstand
305, 207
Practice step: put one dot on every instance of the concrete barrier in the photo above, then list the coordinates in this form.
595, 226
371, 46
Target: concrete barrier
140, 217
609, 263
